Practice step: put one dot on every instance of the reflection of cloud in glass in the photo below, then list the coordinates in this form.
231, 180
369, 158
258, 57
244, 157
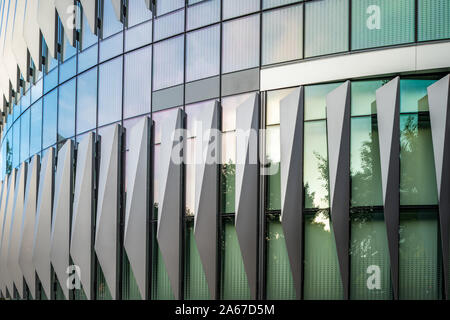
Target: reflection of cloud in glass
321, 218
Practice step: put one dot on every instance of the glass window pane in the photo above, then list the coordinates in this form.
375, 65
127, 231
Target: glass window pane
316, 100
110, 23
50, 119
369, 254
169, 25
67, 69
25, 136
196, 287
168, 63
130, 289
382, 23
365, 163
87, 101
203, 53
87, 37
241, 44
36, 128
282, 35
36, 91
322, 279
275, 3
110, 92
87, 58
164, 6
111, 47
315, 166
138, 36
273, 171
137, 12
202, 14
414, 95
66, 111
16, 144
234, 8
234, 279
434, 19
279, 282
364, 96
137, 87
419, 263
326, 27
417, 187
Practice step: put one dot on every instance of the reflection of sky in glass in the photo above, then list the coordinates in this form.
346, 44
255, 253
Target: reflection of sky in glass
203, 14
25, 136
364, 97
168, 63
110, 92
316, 100
234, 8
241, 44
275, 3
414, 95
137, 13
87, 101
165, 6
50, 119
36, 127
169, 25
110, 23
66, 111
203, 53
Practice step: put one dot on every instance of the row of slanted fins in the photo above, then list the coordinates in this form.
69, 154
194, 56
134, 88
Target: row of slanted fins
23, 23
43, 226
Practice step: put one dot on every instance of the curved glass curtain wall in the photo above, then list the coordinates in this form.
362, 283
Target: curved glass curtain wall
111, 80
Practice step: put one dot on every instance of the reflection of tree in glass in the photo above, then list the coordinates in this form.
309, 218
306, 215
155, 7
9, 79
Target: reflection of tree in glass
322, 167
8, 157
228, 172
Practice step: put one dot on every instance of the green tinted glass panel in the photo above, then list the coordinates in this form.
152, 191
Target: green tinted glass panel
227, 192
364, 97
161, 288
316, 100
369, 253
417, 187
279, 282
377, 23
195, 285
130, 289
365, 163
322, 279
234, 279
273, 171
414, 95
419, 256
102, 289
434, 19
326, 27
315, 166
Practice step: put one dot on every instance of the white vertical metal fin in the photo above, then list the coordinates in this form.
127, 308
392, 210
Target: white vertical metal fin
106, 234
42, 228
137, 202
47, 22
9, 60
32, 33
247, 124
206, 187
291, 175
62, 207
67, 13
6, 276
388, 118
90, 12
81, 245
5, 191
16, 225
338, 131
439, 104
168, 233
19, 46
27, 229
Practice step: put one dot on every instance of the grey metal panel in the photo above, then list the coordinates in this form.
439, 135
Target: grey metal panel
206, 190
439, 103
42, 228
117, 5
6, 275
5, 191
388, 118
169, 212
16, 225
62, 205
81, 245
31, 32
90, 12
202, 90
47, 22
167, 98
67, 13
106, 233
338, 132
27, 229
246, 223
19, 46
241, 81
291, 140
137, 203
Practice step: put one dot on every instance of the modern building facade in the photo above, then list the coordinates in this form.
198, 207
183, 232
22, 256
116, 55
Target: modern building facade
339, 188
